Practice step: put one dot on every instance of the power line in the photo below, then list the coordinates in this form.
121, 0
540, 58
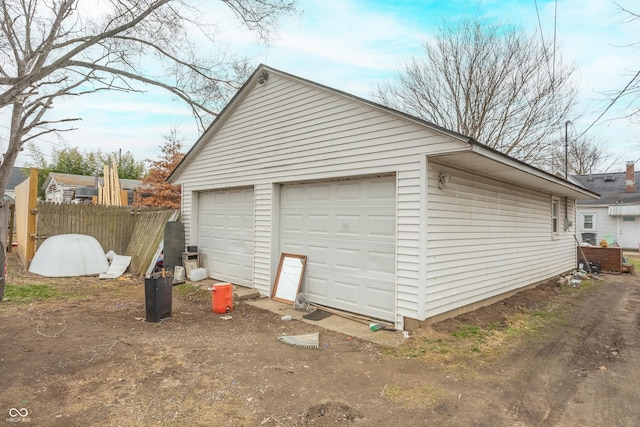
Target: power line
551, 69
613, 101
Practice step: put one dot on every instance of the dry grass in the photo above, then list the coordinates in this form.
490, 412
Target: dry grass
417, 397
472, 346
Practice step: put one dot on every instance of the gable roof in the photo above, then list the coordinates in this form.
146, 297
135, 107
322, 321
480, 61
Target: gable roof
71, 180
611, 187
474, 157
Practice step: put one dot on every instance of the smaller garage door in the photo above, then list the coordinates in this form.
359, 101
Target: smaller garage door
347, 230
225, 235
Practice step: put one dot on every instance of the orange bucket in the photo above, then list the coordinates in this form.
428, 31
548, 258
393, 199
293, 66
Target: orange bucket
222, 298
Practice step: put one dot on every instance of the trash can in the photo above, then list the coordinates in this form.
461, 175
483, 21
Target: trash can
157, 296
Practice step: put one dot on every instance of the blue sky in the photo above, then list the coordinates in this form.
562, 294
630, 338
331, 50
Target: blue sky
352, 45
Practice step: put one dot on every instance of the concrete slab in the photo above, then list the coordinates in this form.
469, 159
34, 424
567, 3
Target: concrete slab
334, 322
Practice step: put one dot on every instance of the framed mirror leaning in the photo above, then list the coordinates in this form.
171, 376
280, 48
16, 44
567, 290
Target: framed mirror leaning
289, 277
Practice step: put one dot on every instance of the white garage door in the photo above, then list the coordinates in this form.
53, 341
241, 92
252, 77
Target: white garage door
347, 231
225, 235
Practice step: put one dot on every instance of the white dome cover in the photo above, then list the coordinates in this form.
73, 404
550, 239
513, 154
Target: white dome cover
67, 255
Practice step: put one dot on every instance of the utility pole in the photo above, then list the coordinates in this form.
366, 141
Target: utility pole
566, 150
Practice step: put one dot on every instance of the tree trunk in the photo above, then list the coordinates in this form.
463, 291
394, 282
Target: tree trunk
15, 145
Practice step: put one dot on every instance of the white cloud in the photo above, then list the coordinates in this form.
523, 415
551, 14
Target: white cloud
352, 45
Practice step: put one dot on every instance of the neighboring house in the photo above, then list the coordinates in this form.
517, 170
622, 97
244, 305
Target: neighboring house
17, 176
401, 220
67, 188
616, 216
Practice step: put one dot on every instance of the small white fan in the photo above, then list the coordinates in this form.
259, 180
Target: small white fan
301, 303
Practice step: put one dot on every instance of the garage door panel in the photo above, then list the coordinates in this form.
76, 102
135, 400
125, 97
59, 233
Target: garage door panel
294, 194
318, 224
320, 192
235, 246
347, 231
235, 221
349, 225
382, 190
349, 191
382, 226
379, 299
381, 262
292, 223
317, 289
346, 293
348, 259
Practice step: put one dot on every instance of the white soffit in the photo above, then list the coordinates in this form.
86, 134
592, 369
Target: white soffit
510, 171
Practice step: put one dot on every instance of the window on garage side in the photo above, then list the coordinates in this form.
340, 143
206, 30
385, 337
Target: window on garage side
555, 215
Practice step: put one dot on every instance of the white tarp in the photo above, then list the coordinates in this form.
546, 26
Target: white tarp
119, 264
67, 255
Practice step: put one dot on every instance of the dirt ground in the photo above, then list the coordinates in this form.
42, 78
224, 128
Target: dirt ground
89, 360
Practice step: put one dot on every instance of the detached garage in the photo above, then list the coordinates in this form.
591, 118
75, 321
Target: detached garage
400, 220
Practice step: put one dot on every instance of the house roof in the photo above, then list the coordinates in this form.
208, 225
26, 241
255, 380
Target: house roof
17, 176
71, 180
475, 157
610, 186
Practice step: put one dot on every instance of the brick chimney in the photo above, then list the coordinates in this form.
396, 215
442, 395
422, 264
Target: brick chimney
631, 178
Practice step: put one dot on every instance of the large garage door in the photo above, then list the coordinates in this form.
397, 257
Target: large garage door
225, 235
347, 230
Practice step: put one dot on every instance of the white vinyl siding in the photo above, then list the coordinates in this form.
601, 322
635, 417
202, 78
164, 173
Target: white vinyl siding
264, 232
605, 225
411, 234
487, 238
269, 138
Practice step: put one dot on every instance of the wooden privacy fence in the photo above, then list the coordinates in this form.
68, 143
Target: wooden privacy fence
112, 226
146, 242
6, 221
137, 232
134, 231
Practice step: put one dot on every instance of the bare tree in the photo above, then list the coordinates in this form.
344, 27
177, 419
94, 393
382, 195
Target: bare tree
491, 83
56, 48
630, 93
583, 156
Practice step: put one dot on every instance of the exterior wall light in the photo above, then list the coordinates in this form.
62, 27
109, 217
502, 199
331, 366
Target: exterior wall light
443, 180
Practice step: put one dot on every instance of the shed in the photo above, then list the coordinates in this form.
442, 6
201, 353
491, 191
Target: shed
401, 220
